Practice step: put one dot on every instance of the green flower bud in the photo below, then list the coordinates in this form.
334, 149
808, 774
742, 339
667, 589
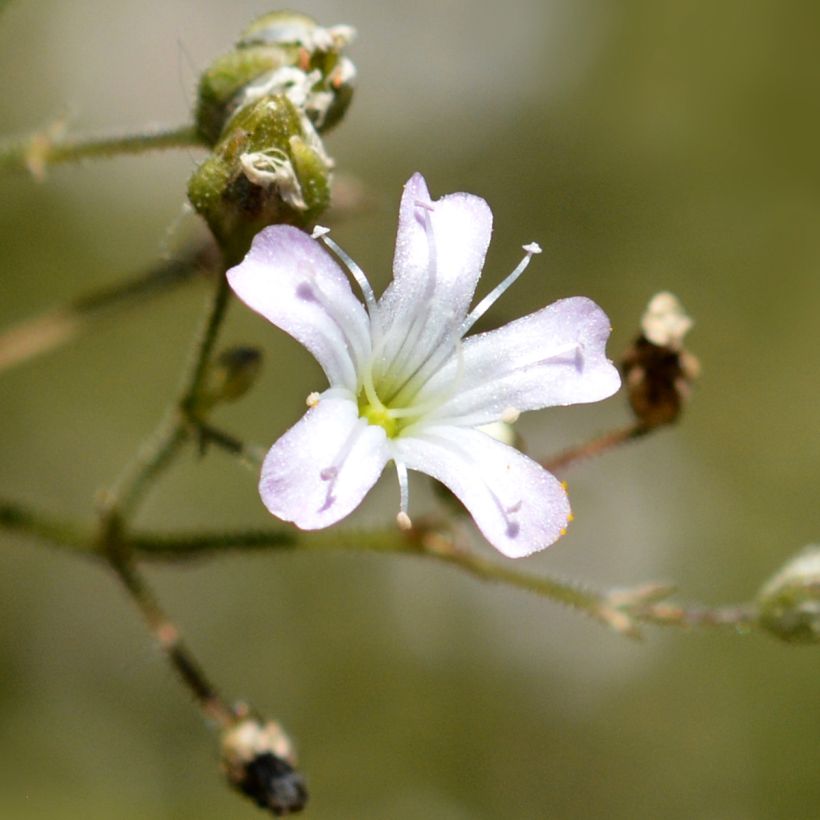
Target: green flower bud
269, 168
281, 53
789, 604
231, 375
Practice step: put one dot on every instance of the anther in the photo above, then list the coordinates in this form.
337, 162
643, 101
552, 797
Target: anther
510, 415
403, 520
313, 399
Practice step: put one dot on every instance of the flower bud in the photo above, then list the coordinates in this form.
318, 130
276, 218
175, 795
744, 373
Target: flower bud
280, 53
269, 167
258, 760
231, 375
658, 371
789, 604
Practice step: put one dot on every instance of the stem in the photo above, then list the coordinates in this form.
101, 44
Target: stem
622, 610
249, 455
17, 518
595, 446
204, 349
32, 337
155, 454
160, 449
46, 148
168, 637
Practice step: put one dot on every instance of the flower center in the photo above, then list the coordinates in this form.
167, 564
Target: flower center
376, 413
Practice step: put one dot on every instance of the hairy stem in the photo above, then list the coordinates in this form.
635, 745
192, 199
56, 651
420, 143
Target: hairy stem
47, 148
595, 447
168, 637
625, 611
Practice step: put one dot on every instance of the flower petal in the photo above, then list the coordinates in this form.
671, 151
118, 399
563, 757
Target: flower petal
320, 470
516, 503
555, 356
435, 271
293, 282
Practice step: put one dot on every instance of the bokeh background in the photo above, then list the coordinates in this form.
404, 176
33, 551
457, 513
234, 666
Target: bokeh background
646, 145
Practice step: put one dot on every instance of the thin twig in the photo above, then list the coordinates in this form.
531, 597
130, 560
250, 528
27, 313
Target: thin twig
168, 637
595, 447
46, 148
49, 330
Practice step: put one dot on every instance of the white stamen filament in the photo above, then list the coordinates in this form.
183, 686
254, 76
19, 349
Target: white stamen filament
486, 303
403, 519
356, 272
420, 378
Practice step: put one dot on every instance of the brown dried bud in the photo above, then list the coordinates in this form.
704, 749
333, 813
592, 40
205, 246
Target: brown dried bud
258, 761
658, 371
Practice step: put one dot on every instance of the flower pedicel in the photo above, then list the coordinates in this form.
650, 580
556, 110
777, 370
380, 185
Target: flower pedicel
407, 386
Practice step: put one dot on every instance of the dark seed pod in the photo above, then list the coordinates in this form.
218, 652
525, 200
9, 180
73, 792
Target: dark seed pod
258, 761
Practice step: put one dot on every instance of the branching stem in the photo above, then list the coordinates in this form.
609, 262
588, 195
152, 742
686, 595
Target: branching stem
625, 611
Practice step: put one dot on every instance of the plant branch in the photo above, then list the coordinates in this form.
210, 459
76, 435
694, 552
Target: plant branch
48, 147
596, 446
49, 330
168, 637
625, 611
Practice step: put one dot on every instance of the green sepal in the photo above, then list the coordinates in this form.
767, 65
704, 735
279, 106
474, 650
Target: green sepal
237, 203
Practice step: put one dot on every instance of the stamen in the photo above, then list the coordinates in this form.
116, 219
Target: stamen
402, 518
313, 399
510, 415
484, 305
356, 272
411, 388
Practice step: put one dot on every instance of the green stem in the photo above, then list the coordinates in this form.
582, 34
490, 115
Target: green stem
203, 350
32, 337
34, 524
155, 454
624, 610
170, 640
44, 149
160, 449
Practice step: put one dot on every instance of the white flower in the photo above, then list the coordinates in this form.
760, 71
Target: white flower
406, 386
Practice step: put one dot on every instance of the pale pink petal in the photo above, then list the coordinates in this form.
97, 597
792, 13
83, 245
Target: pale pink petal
433, 282
320, 470
555, 356
293, 282
518, 506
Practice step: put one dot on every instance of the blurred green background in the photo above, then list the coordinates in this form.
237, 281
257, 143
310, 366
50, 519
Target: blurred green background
646, 145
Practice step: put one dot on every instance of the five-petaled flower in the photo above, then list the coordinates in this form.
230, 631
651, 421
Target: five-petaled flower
406, 386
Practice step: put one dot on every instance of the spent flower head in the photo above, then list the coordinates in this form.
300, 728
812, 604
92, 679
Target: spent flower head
407, 386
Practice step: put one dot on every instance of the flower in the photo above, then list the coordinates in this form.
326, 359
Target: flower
406, 386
